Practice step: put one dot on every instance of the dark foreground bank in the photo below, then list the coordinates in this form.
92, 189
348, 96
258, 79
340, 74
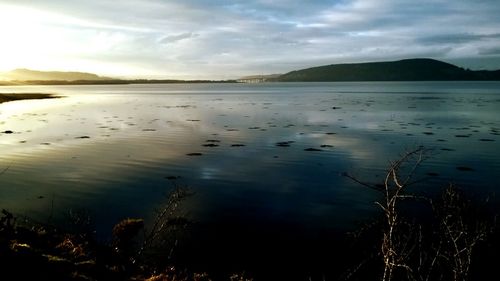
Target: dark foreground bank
6, 97
458, 241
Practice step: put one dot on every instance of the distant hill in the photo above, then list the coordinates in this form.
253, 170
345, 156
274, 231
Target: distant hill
23, 74
403, 70
33, 77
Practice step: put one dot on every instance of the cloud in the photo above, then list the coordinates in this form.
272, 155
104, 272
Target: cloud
227, 39
489, 51
458, 38
178, 37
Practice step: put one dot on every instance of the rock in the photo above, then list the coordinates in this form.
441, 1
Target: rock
210, 145
465, 168
312, 149
284, 143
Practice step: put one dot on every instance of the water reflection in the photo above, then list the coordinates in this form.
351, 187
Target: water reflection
109, 148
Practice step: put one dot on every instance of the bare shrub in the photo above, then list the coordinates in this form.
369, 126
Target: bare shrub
439, 248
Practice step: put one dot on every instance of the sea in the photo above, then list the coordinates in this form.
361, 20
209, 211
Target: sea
265, 164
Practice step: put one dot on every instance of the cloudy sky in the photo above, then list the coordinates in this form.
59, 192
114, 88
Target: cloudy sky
217, 39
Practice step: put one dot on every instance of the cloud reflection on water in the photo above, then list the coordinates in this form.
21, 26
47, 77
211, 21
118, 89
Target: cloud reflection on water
137, 137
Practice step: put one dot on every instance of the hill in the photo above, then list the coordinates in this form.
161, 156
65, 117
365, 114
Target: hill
23, 74
402, 70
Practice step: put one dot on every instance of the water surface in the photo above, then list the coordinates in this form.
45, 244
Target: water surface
263, 160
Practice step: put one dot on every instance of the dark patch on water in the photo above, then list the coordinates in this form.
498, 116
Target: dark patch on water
313, 149
426, 98
172, 177
284, 143
210, 145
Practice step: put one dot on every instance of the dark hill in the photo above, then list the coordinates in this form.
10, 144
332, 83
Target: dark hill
403, 70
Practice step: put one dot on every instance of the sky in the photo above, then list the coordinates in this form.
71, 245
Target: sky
217, 39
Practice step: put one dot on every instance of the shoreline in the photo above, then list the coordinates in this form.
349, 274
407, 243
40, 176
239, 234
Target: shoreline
110, 82
6, 97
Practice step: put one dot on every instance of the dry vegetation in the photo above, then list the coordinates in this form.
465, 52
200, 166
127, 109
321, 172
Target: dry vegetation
437, 248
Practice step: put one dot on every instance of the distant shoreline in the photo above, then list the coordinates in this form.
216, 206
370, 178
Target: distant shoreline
6, 97
108, 82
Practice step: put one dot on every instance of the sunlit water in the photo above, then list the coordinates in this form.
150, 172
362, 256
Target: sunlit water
109, 149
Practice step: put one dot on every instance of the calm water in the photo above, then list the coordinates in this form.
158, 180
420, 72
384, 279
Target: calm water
108, 149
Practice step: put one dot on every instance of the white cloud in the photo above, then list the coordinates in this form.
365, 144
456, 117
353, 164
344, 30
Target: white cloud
227, 39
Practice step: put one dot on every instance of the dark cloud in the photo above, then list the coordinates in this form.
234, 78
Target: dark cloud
489, 51
458, 38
